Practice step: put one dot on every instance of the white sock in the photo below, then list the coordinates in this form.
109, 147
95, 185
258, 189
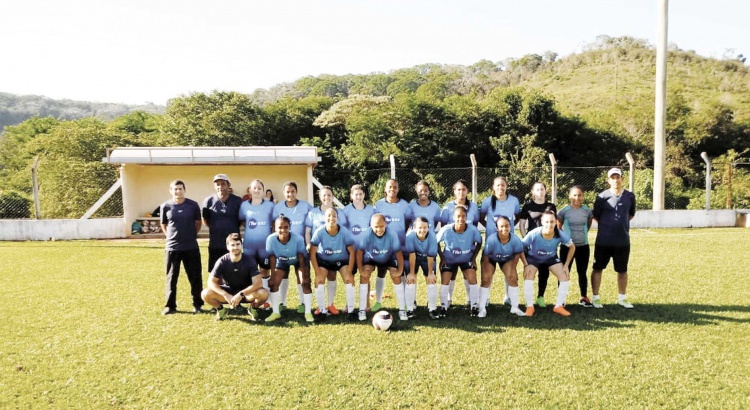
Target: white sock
307, 300
484, 294
474, 295
445, 299
400, 297
284, 290
451, 288
320, 295
349, 297
562, 293
620, 297
363, 296
379, 288
431, 297
331, 291
273, 297
507, 288
513, 294
265, 283
595, 297
528, 292
411, 294
467, 288
300, 294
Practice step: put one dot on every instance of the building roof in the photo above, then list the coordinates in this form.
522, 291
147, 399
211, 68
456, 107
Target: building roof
212, 155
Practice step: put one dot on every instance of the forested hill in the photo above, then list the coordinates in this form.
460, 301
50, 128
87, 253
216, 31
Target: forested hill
14, 109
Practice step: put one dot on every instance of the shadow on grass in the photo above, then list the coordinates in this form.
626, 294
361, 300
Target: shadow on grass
499, 318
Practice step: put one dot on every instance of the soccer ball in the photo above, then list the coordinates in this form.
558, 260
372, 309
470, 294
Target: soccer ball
382, 320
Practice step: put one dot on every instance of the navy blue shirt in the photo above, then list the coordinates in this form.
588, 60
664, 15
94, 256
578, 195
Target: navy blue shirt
236, 275
222, 219
180, 220
613, 214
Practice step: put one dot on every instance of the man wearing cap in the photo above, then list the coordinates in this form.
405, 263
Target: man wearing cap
221, 215
613, 210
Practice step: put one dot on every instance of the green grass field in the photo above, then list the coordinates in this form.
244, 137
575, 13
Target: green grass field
81, 328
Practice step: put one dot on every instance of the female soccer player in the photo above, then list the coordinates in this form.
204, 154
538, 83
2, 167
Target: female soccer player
358, 213
421, 250
459, 244
332, 250
575, 220
500, 203
296, 211
423, 206
286, 249
505, 249
531, 214
257, 213
460, 192
380, 249
541, 251
315, 219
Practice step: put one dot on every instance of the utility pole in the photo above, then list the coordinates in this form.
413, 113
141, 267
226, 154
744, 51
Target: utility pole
660, 111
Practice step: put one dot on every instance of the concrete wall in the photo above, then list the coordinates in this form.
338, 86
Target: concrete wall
61, 229
684, 219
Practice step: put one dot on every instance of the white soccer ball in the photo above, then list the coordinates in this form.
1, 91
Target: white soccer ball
382, 320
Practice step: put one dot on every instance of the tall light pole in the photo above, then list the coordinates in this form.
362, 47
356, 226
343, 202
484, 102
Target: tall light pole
660, 111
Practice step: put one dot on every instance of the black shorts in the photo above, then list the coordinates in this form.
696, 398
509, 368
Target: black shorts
499, 262
620, 256
421, 265
286, 266
545, 264
213, 255
334, 266
393, 263
233, 291
453, 268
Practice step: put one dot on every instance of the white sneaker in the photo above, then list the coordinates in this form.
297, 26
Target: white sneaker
482, 313
362, 315
402, 315
517, 311
624, 303
597, 303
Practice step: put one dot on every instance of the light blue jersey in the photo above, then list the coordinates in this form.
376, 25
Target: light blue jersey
359, 220
398, 216
431, 212
422, 248
508, 208
459, 248
317, 218
472, 214
499, 252
258, 220
286, 253
332, 248
296, 214
380, 250
543, 251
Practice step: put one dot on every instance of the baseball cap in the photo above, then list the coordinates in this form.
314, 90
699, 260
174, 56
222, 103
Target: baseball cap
221, 176
614, 171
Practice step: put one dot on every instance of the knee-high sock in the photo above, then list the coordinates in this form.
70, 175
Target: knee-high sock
411, 295
513, 294
284, 290
445, 298
273, 297
400, 297
300, 294
331, 291
528, 292
474, 295
562, 292
484, 294
467, 288
431, 297
451, 288
265, 284
320, 295
379, 288
307, 300
363, 296
349, 297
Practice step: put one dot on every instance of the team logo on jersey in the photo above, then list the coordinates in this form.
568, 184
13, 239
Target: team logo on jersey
545, 253
380, 251
356, 229
459, 252
284, 258
389, 219
252, 223
332, 251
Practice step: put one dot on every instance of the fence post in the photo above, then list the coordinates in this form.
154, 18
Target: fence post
473, 177
35, 187
707, 160
393, 167
631, 179
553, 188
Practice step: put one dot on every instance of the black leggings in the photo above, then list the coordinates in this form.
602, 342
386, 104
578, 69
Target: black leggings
580, 260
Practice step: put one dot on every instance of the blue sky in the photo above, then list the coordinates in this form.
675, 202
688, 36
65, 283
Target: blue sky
139, 51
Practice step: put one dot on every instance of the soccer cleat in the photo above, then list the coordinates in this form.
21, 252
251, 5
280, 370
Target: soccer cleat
319, 312
529, 310
168, 311
443, 312
597, 303
376, 307
410, 314
309, 318
332, 310
585, 302
362, 315
517, 311
221, 313
301, 309
273, 317
560, 310
434, 314
252, 313
506, 301
402, 315
474, 312
624, 303
196, 309
482, 313
266, 306
352, 316
540, 302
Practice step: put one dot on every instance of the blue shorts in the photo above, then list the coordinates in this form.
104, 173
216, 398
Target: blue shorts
421, 264
453, 267
258, 257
